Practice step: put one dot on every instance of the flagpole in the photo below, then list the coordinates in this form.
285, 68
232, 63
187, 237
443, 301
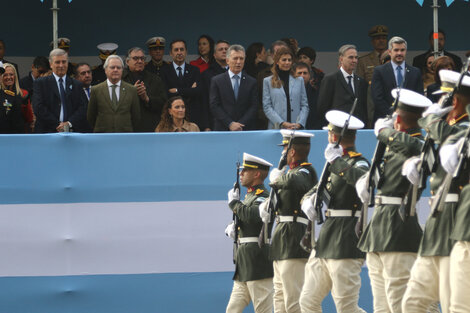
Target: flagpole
435, 7
55, 31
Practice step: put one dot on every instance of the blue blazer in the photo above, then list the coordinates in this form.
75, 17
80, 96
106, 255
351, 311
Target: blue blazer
275, 102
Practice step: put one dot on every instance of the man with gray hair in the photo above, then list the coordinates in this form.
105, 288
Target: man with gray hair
339, 89
389, 76
233, 95
58, 100
150, 89
114, 104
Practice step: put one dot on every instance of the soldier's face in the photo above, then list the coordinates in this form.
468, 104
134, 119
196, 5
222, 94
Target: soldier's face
247, 177
157, 53
379, 43
59, 65
398, 53
178, 52
349, 60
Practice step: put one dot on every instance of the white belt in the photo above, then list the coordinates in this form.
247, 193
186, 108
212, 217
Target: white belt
450, 198
247, 239
342, 213
284, 219
387, 200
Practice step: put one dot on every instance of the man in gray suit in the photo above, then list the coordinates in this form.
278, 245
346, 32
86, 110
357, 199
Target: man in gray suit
114, 104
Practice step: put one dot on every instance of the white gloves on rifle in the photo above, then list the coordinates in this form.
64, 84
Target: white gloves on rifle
449, 157
233, 194
436, 109
410, 170
276, 173
362, 188
263, 211
230, 230
332, 152
382, 123
307, 207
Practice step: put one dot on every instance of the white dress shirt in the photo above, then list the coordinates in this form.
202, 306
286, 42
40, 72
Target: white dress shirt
110, 89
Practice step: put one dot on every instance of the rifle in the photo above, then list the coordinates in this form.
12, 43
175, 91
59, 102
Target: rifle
322, 195
236, 186
263, 237
373, 176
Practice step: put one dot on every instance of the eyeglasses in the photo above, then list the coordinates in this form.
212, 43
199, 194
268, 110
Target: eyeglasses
138, 58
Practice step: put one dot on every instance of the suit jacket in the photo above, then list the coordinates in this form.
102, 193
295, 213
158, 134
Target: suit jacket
27, 84
191, 96
150, 112
206, 77
226, 109
103, 118
46, 105
335, 94
383, 82
275, 102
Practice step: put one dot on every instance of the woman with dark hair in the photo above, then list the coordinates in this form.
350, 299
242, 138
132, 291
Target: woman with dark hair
174, 117
284, 97
255, 59
441, 63
205, 48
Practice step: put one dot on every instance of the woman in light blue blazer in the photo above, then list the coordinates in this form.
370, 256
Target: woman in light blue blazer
284, 98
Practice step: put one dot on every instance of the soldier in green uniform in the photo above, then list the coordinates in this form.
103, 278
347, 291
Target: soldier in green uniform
429, 281
254, 271
106, 49
460, 254
391, 244
290, 184
336, 263
156, 47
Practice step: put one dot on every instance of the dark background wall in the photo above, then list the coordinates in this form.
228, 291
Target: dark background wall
322, 24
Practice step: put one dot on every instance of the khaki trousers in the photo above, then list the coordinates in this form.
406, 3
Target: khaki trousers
389, 273
260, 292
288, 281
341, 277
460, 277
429, 283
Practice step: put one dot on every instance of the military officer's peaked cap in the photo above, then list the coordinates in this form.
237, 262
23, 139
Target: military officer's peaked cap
337, 120
62, 43
449, 80
378, 30
411, 101
156, 42
106, 49
298, 137
253, 162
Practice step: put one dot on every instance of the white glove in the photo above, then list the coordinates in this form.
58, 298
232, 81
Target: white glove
233, 194
230, 230
307, 207
276, 173
448, 155
332, 152
263, 211
382, 123
436, 109
410, 170
362, 187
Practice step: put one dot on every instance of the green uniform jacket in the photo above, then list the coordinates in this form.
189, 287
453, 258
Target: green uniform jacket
386, 232
291, 187
337, 239
252, 262
150, 112
436, 237
366, 65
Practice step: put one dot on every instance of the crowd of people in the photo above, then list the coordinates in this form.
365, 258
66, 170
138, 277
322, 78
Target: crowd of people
227, 88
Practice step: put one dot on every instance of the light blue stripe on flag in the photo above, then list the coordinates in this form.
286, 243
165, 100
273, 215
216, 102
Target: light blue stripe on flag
449, 2
420, 2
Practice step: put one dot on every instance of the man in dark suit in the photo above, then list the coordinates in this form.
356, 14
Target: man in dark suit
234, 95
339, 89
59, 102
39, 68
183, 79
391, 75
419, 61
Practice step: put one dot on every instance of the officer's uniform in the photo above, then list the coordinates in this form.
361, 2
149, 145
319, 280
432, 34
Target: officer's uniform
254, 271
97, 72
11, 117
429, 281
288, 257
336, 263
391, 243
152, 66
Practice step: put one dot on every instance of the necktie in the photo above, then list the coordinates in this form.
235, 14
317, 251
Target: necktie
88, 92
350, 83
236, 85
114, 99
180, 73
62, 99
399, 76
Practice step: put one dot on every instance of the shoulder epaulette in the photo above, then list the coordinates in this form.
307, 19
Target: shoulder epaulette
9, 92
305, 164
415, 134
259, 191
456, 120
353, 154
